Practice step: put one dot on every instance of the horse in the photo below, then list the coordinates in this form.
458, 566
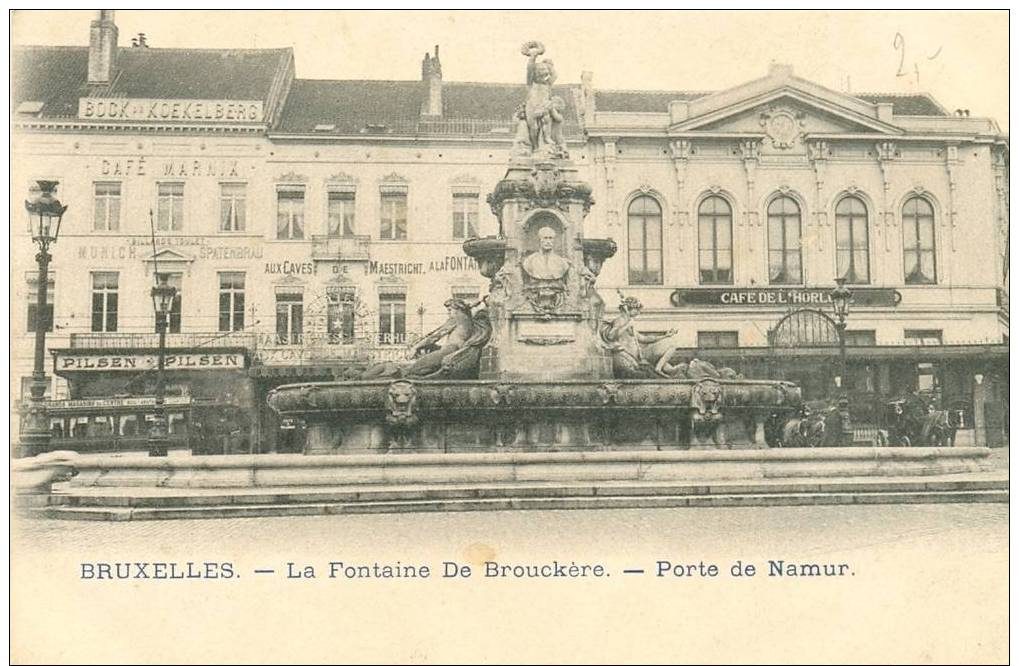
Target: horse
937, 428
805, 429
916, 422
902, 426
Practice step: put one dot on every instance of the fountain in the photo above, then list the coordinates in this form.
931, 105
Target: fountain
535, 365
529, 398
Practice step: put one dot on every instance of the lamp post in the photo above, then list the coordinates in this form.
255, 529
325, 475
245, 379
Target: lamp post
162, 301
840, 299
45, 213
979, 422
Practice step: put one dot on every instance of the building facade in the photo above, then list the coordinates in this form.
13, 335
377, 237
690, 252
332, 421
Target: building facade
313, 226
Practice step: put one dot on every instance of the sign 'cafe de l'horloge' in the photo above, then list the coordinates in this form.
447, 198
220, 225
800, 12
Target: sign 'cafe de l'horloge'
314, 228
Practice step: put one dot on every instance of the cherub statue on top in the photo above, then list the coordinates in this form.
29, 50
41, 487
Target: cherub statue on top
541, 115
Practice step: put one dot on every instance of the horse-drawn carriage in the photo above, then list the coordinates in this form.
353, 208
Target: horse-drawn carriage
912, 420
817, 423
915, 420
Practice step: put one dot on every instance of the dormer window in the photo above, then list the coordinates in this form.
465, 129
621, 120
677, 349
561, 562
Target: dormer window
29, 108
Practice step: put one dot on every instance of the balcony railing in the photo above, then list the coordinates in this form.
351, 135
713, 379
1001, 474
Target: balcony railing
151, 340
347, 248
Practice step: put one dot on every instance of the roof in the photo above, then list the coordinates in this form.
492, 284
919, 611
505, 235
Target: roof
58, 76
921, 104
640, 101
647, 101
394, 107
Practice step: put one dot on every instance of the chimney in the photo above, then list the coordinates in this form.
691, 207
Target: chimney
587, 95
885, 111
431, 74
102, 49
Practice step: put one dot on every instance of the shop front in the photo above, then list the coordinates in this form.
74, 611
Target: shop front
209, 400
970, 382
800, 342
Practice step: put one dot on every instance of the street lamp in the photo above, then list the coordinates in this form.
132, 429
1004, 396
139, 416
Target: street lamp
162, 301
840, 299
44, 215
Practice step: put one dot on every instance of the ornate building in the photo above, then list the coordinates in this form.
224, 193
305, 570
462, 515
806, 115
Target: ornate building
314, 225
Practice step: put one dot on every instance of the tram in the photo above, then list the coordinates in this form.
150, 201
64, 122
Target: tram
104, 425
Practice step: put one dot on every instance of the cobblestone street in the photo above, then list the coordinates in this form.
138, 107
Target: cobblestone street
927, 582
819, 529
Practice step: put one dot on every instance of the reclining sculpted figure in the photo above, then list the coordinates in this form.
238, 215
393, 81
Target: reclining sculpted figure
648, 356
451, 350
630, 357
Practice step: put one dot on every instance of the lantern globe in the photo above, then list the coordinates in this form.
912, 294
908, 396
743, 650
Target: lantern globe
163, 294
45, 212
840, 299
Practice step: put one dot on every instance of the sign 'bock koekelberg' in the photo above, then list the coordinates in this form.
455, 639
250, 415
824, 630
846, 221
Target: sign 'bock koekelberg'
779, 297
176, 110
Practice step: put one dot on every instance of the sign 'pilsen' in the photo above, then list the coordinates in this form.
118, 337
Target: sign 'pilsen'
173, 110
66, 361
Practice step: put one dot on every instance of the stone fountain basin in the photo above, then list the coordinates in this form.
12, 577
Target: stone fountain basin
476, 416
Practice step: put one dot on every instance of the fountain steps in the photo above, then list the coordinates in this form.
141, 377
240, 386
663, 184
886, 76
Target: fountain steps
122, 504
241, 473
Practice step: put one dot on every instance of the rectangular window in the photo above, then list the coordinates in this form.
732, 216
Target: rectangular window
289, 318
173, 318
923, 336
341, 214
717, 339
393, 220
860, 339
176, 308
33, 307
104, 301
926, 377
392, 319
862, 378
340, 317
290, 213
170, 207
465, 215
231, 302
106, 209
468, 296
232, 206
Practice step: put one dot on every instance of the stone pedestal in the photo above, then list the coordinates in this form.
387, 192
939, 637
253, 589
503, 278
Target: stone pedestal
545, 349
543, 305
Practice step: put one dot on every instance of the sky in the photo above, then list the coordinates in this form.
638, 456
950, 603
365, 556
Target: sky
959, 57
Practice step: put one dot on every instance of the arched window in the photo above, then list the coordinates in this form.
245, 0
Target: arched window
645, 240
852, 244
714, 232
784, 263
918, 242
